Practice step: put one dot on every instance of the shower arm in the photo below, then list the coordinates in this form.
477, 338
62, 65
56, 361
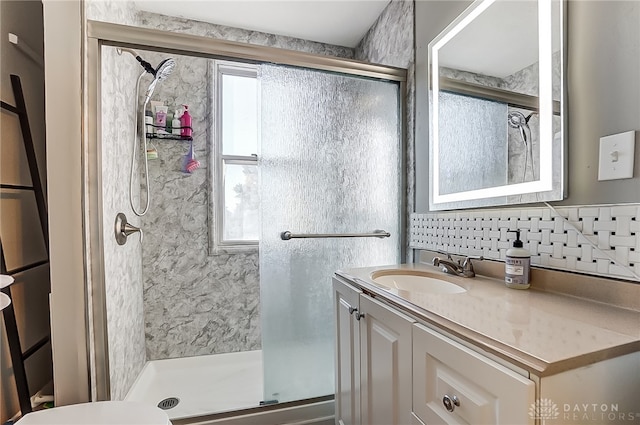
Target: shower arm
146, 65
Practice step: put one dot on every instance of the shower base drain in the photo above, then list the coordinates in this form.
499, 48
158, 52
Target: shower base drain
169, 403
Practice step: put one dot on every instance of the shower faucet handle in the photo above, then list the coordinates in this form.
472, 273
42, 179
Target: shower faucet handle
123, 229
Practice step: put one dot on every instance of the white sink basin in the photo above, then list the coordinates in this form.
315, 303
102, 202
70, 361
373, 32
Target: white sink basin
415, 281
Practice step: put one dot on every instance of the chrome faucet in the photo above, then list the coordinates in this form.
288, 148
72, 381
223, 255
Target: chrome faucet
450, 266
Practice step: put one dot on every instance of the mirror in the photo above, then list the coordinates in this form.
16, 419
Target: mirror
496, 106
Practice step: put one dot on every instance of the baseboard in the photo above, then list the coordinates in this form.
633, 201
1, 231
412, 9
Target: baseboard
319, 413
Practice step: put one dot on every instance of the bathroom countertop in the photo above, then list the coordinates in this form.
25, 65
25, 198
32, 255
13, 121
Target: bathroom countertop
540, 331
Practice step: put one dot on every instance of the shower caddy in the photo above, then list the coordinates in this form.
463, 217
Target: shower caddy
190, 164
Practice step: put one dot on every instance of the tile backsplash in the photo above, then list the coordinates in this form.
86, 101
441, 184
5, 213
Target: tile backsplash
576, 238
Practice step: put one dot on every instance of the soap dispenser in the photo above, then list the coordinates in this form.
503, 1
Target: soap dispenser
517, 265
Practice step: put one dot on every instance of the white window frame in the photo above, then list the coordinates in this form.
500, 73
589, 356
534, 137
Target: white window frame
218, 161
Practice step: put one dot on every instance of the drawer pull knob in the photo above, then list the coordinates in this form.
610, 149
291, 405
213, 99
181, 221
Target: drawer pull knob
450, 403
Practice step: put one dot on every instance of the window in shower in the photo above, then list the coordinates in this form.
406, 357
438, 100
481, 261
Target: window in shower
236, 198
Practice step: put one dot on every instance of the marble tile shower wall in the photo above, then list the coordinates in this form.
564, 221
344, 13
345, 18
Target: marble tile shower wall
195, 304
122, 264
605, 232
221, 32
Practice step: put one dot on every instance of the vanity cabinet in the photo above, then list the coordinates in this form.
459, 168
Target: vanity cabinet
411, 358
373, 360
392, 370
456, 385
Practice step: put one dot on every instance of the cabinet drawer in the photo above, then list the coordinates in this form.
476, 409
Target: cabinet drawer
479, 390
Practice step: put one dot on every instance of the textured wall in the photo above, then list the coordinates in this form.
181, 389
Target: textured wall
122, 264
389, 41
195, 303
221, 32
114, 11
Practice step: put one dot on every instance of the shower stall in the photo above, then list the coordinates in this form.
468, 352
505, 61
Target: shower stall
252, 324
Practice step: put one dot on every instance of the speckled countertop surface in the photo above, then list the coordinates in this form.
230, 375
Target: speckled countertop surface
543, 332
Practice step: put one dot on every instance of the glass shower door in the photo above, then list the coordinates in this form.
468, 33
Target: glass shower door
329, 163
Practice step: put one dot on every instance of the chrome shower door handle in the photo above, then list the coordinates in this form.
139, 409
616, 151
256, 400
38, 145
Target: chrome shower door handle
287, 235
123, 229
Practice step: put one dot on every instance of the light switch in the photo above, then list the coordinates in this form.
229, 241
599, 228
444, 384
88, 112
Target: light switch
616, 156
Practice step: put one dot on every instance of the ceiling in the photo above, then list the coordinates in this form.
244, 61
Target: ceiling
342, 23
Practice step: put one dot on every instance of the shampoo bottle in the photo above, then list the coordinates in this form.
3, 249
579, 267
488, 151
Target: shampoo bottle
148, 120
175, 123
169, 123
517, 265
161, 119
185, 122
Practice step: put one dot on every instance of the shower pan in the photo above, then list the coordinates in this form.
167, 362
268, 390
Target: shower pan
330, 163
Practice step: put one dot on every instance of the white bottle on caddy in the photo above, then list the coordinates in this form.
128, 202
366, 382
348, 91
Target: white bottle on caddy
517, 265
175, 123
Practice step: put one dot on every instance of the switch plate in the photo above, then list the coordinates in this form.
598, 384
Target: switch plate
616, 156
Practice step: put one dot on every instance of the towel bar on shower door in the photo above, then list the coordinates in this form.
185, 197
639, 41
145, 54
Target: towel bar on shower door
287, 235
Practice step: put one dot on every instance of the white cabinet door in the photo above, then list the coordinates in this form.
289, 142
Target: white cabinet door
385, 339
346, 304
456, 385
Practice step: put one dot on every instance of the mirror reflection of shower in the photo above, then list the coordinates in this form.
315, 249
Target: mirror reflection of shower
517, 120
162, 71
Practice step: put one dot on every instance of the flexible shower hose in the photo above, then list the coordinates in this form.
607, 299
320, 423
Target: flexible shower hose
133, 156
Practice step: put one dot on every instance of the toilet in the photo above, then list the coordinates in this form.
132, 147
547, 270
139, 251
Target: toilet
99, 413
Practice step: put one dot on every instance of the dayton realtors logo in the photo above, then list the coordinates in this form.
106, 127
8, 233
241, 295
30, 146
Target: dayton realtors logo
546, 410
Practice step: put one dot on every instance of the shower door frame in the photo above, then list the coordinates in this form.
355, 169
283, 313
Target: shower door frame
100, 34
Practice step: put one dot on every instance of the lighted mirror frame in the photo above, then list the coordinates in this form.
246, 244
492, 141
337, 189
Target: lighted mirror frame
498, 195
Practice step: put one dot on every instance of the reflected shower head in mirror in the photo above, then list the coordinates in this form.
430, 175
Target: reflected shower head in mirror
516, 119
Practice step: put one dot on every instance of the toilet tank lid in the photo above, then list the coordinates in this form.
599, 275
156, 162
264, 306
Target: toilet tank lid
99, 413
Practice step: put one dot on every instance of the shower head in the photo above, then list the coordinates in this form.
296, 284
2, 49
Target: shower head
516, 119
163, 70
